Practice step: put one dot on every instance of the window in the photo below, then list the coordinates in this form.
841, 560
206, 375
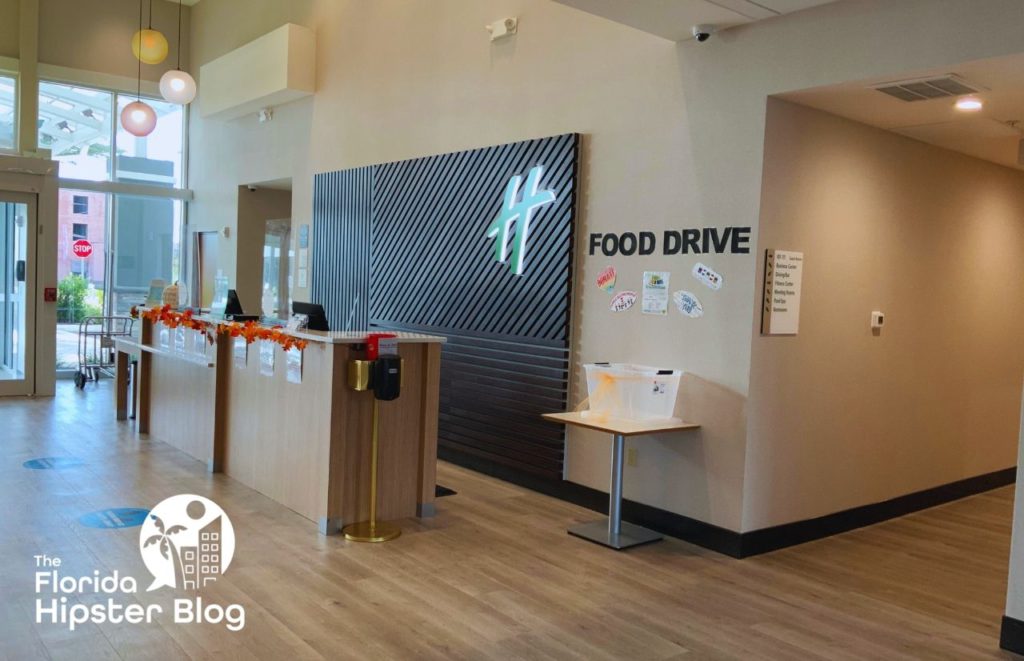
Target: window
8, 111
156, 159
120, 192
76, 125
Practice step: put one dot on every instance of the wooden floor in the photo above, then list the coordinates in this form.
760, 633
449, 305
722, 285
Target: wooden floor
493, 576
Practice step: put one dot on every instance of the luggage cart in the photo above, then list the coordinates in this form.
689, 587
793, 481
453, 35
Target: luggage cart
96, 346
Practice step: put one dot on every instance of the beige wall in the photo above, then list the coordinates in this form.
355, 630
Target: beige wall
255, 208
9, 28
674, 139
840, 416
96, 35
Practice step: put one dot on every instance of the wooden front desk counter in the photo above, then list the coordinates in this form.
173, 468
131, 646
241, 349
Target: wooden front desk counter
306, 445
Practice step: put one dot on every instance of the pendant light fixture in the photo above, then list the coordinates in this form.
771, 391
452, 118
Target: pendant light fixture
139, 118
176, 86
149, 45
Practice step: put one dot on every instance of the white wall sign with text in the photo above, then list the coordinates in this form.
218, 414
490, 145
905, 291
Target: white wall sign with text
783, 274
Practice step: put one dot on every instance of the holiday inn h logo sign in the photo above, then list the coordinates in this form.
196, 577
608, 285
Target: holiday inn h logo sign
513, 222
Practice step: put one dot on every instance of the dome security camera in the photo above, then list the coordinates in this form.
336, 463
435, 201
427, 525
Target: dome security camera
703, 32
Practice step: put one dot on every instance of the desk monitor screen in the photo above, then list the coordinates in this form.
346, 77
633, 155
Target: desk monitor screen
315, 312
234, 306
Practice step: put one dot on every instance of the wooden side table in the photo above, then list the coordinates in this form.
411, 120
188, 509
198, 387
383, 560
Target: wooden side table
613, 532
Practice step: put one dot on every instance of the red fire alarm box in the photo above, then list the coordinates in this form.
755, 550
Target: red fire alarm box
50, 294
377, 343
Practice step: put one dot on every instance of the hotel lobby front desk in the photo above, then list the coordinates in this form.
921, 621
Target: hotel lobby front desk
304, 444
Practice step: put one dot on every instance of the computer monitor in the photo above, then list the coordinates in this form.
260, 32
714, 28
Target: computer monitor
233, 309
234, 306
315, 313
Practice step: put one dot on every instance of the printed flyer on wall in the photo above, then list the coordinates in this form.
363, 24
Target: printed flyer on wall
655, 293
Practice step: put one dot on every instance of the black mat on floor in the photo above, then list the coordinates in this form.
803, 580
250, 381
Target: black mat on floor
440, 491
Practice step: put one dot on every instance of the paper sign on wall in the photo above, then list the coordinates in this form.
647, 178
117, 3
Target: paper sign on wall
179, 339
240, 349
655, 296
294, 363
783, 276
266, 358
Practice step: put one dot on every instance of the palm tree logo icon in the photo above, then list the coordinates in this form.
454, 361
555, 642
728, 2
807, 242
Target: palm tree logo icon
168, 549
187, 542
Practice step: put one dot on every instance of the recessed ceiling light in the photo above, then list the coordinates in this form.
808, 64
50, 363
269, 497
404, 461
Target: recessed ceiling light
969, 104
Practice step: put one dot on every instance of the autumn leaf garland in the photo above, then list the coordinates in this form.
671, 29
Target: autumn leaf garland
250, 330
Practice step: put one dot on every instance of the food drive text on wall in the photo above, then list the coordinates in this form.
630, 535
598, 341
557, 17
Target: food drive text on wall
709, 240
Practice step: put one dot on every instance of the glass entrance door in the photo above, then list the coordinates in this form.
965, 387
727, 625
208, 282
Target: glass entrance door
17, 293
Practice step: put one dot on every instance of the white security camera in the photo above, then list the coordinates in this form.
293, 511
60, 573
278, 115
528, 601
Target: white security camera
703, 32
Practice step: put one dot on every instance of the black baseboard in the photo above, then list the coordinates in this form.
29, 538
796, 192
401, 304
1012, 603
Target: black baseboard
799, 532
1011, 635
729, 542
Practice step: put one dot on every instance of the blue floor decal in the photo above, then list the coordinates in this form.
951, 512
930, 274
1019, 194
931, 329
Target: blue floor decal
45, 463
115, 517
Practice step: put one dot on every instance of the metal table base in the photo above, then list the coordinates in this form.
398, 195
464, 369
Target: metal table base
612, 532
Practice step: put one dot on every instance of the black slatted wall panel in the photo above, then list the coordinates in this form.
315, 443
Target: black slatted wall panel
341, 239
434, 271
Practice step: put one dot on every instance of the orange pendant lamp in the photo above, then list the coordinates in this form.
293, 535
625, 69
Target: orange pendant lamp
149, 45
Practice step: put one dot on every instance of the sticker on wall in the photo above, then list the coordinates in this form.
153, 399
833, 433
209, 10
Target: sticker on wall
165, 338
240, 349
708, 277
179, 339
688, 304
294, 363
606, 279
655, 292
623, 301
266, 358
303, 278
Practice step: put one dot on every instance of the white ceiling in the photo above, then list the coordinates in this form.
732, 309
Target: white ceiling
984, 134
673, 19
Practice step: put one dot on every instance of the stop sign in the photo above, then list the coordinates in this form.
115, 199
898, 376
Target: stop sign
81, 248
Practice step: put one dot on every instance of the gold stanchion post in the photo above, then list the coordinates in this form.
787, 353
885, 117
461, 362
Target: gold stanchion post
372, 530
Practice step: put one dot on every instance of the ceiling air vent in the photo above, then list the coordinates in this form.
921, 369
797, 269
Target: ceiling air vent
927, 88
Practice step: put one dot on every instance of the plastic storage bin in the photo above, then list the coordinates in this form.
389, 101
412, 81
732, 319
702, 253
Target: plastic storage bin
631, 392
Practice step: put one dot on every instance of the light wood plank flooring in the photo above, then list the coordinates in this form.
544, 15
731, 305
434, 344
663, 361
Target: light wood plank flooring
493, 576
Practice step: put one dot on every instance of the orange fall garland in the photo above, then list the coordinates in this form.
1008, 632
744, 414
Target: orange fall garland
250, 330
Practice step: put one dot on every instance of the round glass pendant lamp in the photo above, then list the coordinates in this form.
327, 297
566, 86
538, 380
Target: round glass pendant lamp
138, 119
176, 86
149, 46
